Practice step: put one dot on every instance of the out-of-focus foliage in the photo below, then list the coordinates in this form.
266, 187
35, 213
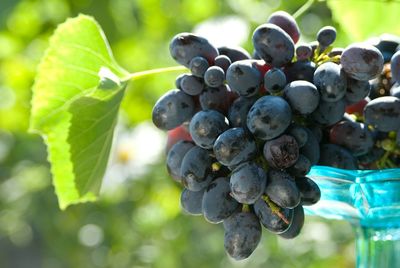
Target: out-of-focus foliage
137, 222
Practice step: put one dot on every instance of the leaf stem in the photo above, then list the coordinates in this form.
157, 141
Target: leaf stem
303, 9
138, 75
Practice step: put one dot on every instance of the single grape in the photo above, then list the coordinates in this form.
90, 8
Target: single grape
311, 149
395, 90
357, 90
196, 169
234, 146
248, 182
388, 45
281, 152
177, 134
223, 62
300, 70
354, 136
191, 201
274, 80
234, 53
383, 113
329, 113
192, 85
281, 189
238, 111
216, 98
303, 52
326, 36
269, 117
198, 66
362, 61
395, 66
206, 126
242, 234
243, 78
331, 81
273, 44
217, 203
336, 51
185, 46
287, 23
175, 156
270, 219
299, 133
301, 167
302, 96
178, 80
172, 109
296, 224
309, 191
336, 156
214, 76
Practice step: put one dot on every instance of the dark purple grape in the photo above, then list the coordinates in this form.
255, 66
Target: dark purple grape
223, 61
362, 61
192, 85
303, 52
196, 169
388, 45
311, 148
373, 155
281, 152
395, 66
172, 109
326, 36
296, 224
273, 44
329, 113
215, 98
330, 79
301, 167
300, 70
302, 96
234, 53
286, 21
309, 191
238, 111
333, 155
269, 117
357, 90
282, 190
274, 80
191, 201
185, 46
395, 90
271, 220
234, 146
206, 126
175, 156
354, 136
198, 66
178, 80
217, 203
336, 51
242, 234
244, 78
299, 133
383, 113
214, 76
247, 183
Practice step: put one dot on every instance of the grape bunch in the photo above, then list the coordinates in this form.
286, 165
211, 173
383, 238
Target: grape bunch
244, 130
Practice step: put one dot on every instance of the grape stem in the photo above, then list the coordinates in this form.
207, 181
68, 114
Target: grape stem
138, 75
303, 9
275, 208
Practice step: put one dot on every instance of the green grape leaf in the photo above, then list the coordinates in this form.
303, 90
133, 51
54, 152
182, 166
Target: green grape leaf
76, 98
364, 19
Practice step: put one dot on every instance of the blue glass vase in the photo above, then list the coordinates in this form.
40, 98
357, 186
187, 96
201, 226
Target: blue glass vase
370, 201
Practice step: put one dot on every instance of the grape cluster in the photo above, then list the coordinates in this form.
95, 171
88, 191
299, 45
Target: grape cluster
244, 131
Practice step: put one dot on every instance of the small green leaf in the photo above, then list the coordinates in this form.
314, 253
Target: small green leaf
364, 19
75, 103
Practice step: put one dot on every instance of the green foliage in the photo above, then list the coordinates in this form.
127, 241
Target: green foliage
364, 19
74, 115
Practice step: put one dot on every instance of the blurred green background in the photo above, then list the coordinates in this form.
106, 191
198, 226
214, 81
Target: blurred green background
138, 221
